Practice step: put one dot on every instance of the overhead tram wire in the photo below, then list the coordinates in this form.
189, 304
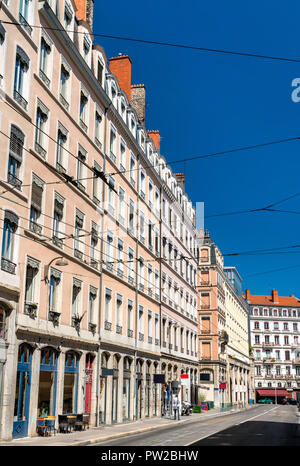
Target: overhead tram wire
166, 44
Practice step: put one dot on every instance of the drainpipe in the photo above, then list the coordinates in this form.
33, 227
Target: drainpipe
136, 291
101, 269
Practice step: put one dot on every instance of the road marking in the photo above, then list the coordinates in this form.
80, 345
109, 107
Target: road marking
217, 431
259, 415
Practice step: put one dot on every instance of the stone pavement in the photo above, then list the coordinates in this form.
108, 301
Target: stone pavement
109, 432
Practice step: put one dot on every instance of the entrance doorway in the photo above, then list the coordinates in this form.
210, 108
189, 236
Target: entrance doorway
22, 394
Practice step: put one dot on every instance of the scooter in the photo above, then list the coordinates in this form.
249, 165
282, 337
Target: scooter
187, 408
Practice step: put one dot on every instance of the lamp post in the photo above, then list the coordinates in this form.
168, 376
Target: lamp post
61, 262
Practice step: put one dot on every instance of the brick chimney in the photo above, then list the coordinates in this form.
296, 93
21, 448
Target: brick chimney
180, 179
121, 67
155, 136
248, 294
85, 11
275, 296
138, 100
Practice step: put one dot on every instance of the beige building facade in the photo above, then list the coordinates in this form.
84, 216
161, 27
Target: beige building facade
83, 186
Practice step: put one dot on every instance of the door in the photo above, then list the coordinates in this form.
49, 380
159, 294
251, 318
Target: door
22, 393
88, 383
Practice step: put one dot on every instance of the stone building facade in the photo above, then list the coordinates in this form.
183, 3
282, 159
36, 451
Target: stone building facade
82, 189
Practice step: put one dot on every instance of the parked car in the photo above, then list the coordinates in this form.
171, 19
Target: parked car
267, 401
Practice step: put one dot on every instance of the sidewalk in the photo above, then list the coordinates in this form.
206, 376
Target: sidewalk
109, 432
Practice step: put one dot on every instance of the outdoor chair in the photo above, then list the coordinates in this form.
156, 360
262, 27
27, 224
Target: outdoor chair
79, 422
71, 421
50, 424
86, 420
63, 424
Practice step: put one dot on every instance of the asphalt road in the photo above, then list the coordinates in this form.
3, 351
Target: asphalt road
263, 425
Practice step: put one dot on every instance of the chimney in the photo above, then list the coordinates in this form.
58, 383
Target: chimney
138, 99
121, 67
275, 296
85, 11
155, 136
181, 179
248, 294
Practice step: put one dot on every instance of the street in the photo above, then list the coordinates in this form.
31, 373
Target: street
265, 425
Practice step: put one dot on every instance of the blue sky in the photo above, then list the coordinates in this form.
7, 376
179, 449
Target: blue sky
207, 102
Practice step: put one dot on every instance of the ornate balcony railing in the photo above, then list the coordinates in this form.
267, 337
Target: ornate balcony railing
12, 179
8, 266
25, 24
20, 99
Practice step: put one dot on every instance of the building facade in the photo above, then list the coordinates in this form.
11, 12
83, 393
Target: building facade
224, 360
96, 231
275, 333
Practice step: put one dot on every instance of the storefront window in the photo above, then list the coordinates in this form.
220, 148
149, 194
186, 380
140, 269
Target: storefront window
47, 384
70, 383
126, 390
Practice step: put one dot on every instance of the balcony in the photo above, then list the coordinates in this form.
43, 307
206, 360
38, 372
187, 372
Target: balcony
44, 78
20, 99
54, 316
107, 325
113, 157
78, 254
8, 266
130, 333
12, 179
141, 336
63, 101
25, 24
57, 242
35, 227
119, 329
30, 309
83, 126
40, 150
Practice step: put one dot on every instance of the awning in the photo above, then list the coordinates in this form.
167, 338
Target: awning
272, 392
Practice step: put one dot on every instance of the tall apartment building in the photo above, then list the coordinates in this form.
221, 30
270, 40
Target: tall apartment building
224, 364
275, 333
83, 187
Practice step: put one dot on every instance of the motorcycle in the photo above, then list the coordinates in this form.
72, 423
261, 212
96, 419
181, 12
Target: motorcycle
187, 408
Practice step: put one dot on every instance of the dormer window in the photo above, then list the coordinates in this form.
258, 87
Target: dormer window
86, 47
100, 72
68, 17
113, 93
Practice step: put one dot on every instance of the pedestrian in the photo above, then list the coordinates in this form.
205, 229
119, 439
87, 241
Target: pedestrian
176, 407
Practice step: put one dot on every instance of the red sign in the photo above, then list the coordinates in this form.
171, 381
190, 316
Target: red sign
184, 376
223, 385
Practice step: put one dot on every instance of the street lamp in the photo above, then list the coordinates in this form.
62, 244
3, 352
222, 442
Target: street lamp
60, 261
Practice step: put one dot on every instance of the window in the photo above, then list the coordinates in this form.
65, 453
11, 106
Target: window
120, 266
76, 297
10, 225
78, 244
142, 186
113, 144
109, 252
142, 227
131, 216
150, 284
41, 128
130, 265
121, 205
132, 170
97, 184
94, 242
57, 219
149, 327
150, 228
31, 286
25, 14
156, 284
119, 313
122, 155
64, 84
81, 168
107, 309
86, 47
91, 309
141, 323
141, 274
83, 113
98, 129
62, 135
130, 318
100, 72
156, 329
15, 156
68, 18
54, 290
111, 195
45, 52
37, 189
